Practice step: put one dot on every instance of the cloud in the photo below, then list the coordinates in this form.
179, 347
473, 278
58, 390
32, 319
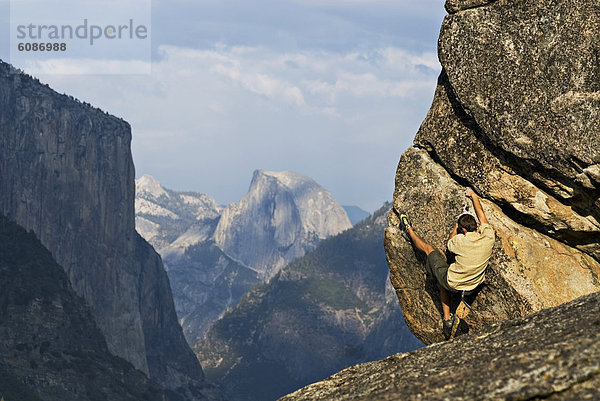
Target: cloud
206, 118
312, 81
85, 66
243, 72
291, 25
334, 89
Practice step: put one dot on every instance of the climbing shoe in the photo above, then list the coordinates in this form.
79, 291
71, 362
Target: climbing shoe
404, 222
447, 327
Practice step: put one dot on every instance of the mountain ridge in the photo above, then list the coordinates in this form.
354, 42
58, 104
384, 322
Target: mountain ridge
217, 254
355, 213
162, 215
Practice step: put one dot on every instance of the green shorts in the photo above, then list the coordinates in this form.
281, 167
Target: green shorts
438, 267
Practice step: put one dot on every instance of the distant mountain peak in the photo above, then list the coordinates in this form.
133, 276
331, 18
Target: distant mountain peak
320, 213
163, 214
148, 185
355, 213
285, 213
290, 179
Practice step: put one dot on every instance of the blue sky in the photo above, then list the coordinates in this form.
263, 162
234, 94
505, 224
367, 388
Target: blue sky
332, 89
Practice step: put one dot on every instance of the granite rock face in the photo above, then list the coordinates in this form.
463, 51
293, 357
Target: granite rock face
528, 74
205, 281
453, 6
285, 214
553, 354
50, 342
66, 173
515, 117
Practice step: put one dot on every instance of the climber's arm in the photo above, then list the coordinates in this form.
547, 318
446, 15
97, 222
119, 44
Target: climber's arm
453, 233
477, 205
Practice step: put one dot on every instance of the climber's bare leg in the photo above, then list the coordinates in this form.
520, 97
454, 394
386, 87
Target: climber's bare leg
419, 242
445, 297
427, 248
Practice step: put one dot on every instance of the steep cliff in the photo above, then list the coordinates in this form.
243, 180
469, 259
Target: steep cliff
66, 173
551, 355
332, 308
516, 117
51, 348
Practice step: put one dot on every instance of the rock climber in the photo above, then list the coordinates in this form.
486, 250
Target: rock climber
472, 246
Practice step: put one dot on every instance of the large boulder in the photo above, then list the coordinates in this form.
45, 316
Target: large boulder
515, 117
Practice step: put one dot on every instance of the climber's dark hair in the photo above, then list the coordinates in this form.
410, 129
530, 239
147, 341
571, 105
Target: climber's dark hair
467, 222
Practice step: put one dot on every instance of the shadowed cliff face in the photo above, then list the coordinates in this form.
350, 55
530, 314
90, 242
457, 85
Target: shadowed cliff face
516, 117
66, 173
51, 349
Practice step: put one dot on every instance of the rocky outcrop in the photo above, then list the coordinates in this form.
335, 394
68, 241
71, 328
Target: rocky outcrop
332, 308
552, 355
516, 117
66, 173
214, 256
51, 348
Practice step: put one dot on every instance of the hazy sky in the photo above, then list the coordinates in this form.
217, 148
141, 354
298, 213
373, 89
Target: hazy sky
334, 89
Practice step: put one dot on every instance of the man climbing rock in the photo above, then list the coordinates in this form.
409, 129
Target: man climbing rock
472, 246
